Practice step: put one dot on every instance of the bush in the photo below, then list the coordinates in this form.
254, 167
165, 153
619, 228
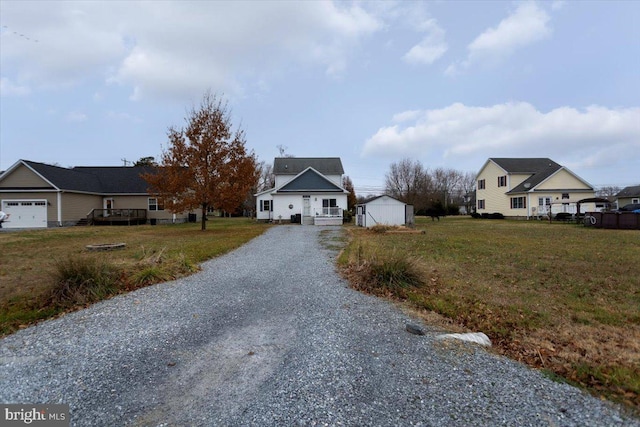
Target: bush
386, 274
347, 216
80, 281
394, 271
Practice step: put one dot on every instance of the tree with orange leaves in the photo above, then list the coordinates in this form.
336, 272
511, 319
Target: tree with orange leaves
206, 165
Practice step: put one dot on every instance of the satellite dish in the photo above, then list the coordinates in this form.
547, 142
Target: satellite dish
527, 185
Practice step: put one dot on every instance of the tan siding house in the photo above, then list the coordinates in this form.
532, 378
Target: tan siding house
628, 195
529, 187
40, 195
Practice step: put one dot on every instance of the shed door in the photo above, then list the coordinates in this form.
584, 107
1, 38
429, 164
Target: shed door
25, 213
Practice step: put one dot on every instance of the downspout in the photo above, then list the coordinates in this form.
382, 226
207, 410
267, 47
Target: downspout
59, 203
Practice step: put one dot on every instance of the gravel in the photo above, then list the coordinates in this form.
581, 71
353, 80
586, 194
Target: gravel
270, 335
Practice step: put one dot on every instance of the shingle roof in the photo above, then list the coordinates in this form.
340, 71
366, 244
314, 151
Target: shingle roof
310, 180
526, 165
631, 191
295, 165
102, 180
539, 168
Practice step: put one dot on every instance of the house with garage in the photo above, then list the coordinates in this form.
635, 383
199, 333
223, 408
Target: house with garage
307, 190
384, 210
38, 195
530, 188
628, 195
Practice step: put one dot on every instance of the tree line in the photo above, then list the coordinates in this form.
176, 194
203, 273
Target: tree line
442, 190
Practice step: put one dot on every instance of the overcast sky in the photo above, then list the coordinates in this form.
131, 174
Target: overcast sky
449, 83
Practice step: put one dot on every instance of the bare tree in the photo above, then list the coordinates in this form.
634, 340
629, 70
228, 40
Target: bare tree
266, 179
608, 192
467, 185
446, 182
407, 181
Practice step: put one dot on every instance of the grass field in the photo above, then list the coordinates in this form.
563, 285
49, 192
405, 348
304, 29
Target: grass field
560, 297
40, 270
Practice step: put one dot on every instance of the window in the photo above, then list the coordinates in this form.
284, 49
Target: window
40, 203
518, 203
635, 200
481, 203
502, 181
481, 185
544, 201
565, 195
156, 204
266, 205
330, 207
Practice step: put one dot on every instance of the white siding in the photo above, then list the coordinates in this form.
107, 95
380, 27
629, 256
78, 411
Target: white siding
385, 210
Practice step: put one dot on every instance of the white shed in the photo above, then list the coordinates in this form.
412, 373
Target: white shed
384, 210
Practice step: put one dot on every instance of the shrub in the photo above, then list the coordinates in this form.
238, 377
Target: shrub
389, 273
79, 281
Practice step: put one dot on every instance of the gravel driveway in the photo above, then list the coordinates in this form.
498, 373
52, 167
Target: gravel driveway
270, 335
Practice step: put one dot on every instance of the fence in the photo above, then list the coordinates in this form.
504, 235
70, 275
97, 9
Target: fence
613, 220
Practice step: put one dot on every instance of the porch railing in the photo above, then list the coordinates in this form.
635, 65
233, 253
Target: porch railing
135, 216
329, 212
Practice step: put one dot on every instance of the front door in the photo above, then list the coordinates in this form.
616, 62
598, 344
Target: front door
306, 205
108, 205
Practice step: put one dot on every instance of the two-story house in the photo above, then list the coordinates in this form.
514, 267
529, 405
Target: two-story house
308, 190
530, 187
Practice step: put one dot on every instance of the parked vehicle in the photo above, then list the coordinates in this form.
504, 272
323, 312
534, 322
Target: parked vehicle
631, 207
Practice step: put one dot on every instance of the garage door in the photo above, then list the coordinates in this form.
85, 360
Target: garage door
25, 213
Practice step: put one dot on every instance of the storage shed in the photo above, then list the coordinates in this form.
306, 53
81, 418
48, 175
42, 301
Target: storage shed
384, 210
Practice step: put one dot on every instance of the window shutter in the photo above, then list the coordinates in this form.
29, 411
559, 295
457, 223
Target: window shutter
261, 205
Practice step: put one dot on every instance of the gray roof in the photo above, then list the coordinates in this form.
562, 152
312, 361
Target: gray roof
631, 191
310, 180
101, 180
539, 169
295, 165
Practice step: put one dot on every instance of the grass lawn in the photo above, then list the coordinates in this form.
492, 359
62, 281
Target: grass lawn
560, 297
41, 270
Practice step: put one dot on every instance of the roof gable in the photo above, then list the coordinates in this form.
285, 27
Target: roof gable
100, 180
310, 180
21, 176
383, 198
296, 165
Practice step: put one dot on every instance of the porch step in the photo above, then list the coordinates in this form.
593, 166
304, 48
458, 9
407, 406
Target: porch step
82, 222
307, 220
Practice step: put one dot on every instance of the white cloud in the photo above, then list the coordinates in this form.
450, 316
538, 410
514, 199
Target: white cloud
406, 116
527, 24
8, 88
459, 132
178, 47
432, 46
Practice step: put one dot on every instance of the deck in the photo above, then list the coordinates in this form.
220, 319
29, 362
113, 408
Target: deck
117, 217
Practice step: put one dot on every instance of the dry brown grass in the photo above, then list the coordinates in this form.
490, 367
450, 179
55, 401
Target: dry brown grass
559, 297
30, 260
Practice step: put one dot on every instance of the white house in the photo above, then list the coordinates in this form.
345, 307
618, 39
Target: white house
530, 187
384, 210
308, 190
